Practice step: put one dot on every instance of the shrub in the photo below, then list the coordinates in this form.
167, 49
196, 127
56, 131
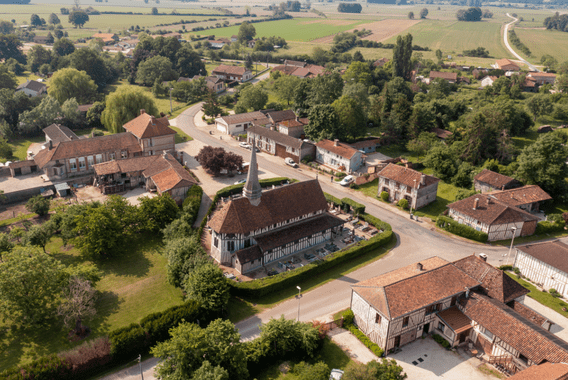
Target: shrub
553, 292
403, 204
340, 174
549, 227
366, 341
38, 205
354, 186
331, 199
348, 317
158, 325
127, 342
506, 267
385, 196
440, 340
379, 224
88, 357
462, 230
358, 208
191, 203
47, 367
516, 270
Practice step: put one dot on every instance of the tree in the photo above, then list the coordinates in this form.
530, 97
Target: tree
470, 14
349, 7
481, 139
306, 371
189, 347
561, 83
253, 97
78, 18
487, 14
93, 64
358, 72
211, 106
37, 56
78, 304
188, 63
184, 254
38, 205
411, 15
5, 149
38, 235
94, 115
6, 27
324, 124
442, 161
249, 62
35, 20
216, 159
207, 285
96, 232
424, 13
53, 19
402, 54
158, 212
29, 284
325, 89
208, 372
124, 105
39, 117
543, 163
246, 32
385, 369
154, 11
72, 83
5, 244
154, 69
70, 112
11, 47
439, 54
285, 335
285, 87
422, 143
63, 47
351, 116
539, 104
7, 79
463, 175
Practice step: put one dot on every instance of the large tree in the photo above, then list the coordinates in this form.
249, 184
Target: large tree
188, 63
78, 304
324, 124
124, 105
37, 56
96, 233
38, 235
29, 284
72, 83
325, 89
6, 27
63, 47
253, 97
385, 369
351, 116
7, 79
402, 54
211, 106
543, 163
246, 32
158, 212
184, 254
441, 159
11, 47
216, 159
285, 87
207, 285
286, 335
93, 64
154, 69
39, 117
539, 104
53, 19
78, 18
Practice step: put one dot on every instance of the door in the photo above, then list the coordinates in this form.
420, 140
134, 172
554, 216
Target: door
397, 341
463, 336
426, 329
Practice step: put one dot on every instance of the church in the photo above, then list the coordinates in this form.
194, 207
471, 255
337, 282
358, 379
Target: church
262, 227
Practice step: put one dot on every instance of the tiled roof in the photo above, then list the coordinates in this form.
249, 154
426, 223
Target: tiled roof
380, 62
406, 176
243, 117
366, 144
22, 164
175, 175
238, 216
128, 165
491, 211
537, 75
455, 319
246, 255
294, 63
279, 116
506, 62
443, 75
442, 133
528, 313
285, 69
145, 126
88, 147
280, 237
301, 72
84, 107
343, 150
522, 195
532, 341
553, 253
493, 179
33, 85
226, 69
278, 137
58, 133
544, 371
494, 281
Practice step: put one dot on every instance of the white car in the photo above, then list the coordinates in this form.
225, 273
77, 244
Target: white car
240, 181
244, 145
336, 374
347, 180
290, 162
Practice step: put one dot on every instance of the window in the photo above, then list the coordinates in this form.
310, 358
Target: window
377, 318
247, 243
99, 158
405, 321
216, 242
73, 164
90, 160
82, 163
150, 143
123, 154
111, 156
454, 300
231, 245
441, 326
432, 308
408, 189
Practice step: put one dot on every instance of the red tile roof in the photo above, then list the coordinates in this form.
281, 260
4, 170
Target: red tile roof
491, 211
528, 313
146, 126
522, 195
342, 149
371, 143
406, 176
455, 319
443, 75
493, 179
226, 69
553, 253
544, 371
507, 62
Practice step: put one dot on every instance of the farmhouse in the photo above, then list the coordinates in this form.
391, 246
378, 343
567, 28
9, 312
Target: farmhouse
153, 134
527, 197
488, 181
488, 81
544, 371
545, 264
380, 62
498, 219
367, 146
43, 40
542, 78
279, 144
107, 38
232, 73
299, 69
264, 226
507, 65
294, 127
404, 183
339, 156
449, 77
32, 88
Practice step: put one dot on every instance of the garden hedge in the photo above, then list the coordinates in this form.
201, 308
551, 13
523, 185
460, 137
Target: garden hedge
462, 230
46, 368
331, 199
366, 341
549, 227
358, 208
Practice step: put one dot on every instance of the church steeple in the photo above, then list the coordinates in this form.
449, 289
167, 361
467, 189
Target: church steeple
252, 189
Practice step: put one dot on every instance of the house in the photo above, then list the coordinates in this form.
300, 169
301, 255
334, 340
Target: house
506, 65
175, 35
545, 264
542, 78
19, 168
442, 134
252, 43
44, 40
488, 181
380, 62
57, 133
32, 88
232, 73
544, 129
498, 219
530, 85
294, 127
234, 38
367, 145
544, 371
339, 156
488, 81
449, 77
153, 134
215, 84
161, 173
278, 144
107, 38
401, 182
527, 197
237, 124
265, 226
216, 44
300, 69
84, 108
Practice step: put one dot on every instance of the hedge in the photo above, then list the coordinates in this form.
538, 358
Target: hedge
376, 222
358, 208
366, 341
462, 230
127, 342
158, 325
192, 203
331, 199
549, 227
46, 368
267, 285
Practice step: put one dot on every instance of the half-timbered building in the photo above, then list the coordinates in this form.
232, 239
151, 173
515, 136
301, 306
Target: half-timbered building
265, 226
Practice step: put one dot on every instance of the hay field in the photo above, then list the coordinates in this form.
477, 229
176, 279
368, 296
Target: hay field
541, 41
382, 30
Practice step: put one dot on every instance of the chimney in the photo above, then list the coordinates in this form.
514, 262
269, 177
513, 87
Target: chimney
297, 118
164, 154
419, 267
50, 145
476, 203
423, 179
336, 142
503, 188
142, 111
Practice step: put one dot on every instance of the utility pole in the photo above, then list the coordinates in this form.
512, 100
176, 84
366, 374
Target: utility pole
140, 364
299, 296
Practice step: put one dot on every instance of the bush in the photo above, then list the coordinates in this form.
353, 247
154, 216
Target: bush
506, 267
366, 341
348, 317
549, 227
385, 196
384, 226
358, 208
462, 230
554, 293
331, 199
47, 367
89, 357
127, 342
158, 325
38, 205
354, 186
516, 270
442, 341
192, 203
403, 204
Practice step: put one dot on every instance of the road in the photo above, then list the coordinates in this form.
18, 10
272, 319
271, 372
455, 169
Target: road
506, 40
415, 241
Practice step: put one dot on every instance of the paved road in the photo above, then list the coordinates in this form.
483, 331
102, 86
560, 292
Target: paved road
506, 40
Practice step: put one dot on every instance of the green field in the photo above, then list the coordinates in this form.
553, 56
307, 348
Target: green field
304, 29
541, 41
133, 285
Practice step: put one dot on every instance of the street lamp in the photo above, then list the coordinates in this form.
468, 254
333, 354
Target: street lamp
513, 229
299, 296
171, 109
140, 364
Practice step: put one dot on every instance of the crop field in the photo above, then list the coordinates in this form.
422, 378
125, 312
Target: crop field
382, 30
541, 41
305, 29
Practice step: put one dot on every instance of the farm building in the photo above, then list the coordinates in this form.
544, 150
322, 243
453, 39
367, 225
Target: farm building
528, 198
487, 181
32, 88
339, 156
401, 182
542, 78
544, 371
232, 73
507, 65
449, 77
488, 81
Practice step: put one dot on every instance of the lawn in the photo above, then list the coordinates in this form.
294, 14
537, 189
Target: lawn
133, 285
240, 309
541, 42
544, 298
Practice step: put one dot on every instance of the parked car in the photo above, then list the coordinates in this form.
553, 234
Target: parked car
240, 181
272, 272
308, 256
347, 180
244, 145
290, 162
230, 276
336, 374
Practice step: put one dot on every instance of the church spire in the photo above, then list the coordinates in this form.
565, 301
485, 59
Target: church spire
252, 189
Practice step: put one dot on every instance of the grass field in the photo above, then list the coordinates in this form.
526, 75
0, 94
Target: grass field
544, 298
133, 285
541, 42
